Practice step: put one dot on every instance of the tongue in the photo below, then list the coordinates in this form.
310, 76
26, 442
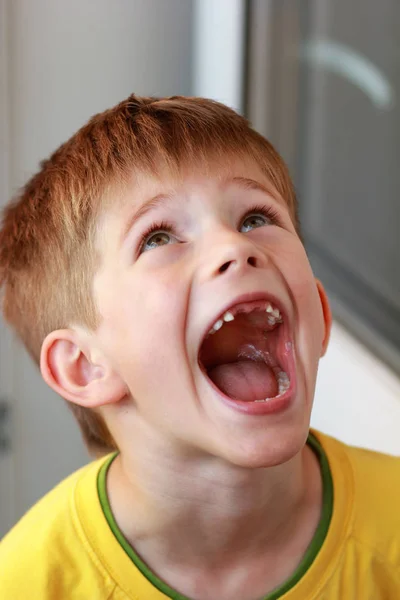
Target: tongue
246, 380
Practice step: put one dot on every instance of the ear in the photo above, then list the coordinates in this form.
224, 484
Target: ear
72, 366
326, 309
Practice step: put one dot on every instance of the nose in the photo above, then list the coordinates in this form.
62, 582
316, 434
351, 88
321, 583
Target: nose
231, 252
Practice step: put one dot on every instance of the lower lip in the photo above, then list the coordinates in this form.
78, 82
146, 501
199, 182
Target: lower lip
271, 406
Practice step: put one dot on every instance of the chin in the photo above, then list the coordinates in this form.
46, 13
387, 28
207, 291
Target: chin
269, 448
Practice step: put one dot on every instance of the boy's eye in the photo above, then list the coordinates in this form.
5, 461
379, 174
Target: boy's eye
157, 235
160, 238
253, 221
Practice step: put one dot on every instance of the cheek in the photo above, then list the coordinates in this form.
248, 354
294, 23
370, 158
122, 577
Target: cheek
312, 330
292, 264
142, 329
300, 280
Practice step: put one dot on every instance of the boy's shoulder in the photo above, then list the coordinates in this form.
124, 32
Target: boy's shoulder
44, 550
366, 483
366, 466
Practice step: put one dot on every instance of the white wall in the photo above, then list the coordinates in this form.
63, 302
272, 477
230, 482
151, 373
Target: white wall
357, 398
218, 50
62, 62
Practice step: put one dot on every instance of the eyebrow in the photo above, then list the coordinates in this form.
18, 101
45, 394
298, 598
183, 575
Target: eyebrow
249, 184
243, 182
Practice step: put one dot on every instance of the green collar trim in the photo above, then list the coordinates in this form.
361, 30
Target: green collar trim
308, 559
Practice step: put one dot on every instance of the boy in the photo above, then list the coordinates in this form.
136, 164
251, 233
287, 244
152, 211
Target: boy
154, 269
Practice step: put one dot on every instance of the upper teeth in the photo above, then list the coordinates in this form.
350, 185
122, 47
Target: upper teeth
274, 316
217, 325
228, 316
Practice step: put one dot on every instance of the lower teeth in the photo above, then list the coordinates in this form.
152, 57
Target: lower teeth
283, 385
283, 382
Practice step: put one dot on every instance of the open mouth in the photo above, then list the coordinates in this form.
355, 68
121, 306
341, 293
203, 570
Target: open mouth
247, 354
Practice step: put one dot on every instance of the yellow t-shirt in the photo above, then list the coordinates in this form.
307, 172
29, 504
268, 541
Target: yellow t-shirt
68, 547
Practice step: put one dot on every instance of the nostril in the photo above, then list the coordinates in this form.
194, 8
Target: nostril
224, 267
252, 261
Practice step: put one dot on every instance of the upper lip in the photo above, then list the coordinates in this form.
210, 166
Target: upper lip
249, 297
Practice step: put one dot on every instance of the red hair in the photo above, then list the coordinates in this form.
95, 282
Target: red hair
47, 250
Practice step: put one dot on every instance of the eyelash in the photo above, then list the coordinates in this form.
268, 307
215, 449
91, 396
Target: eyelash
269, 212
168, 227
153, 228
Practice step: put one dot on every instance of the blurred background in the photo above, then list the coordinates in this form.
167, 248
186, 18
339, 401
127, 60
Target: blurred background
319, 78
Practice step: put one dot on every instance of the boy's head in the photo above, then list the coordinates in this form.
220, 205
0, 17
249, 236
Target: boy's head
143, 229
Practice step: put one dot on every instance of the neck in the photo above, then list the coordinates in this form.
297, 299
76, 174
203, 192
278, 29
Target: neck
204, 511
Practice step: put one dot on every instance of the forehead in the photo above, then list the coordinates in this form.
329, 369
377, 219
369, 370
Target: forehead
142, 186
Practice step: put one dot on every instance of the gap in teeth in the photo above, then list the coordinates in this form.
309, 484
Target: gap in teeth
274, 316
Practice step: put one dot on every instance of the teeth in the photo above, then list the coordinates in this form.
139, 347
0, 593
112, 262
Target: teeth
283, 382
273, 317
218, 325
228, 316
283, 385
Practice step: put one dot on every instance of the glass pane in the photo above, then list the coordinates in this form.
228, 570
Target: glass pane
348, 155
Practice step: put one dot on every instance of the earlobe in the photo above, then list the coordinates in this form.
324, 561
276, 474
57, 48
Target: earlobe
327, 313
67, 366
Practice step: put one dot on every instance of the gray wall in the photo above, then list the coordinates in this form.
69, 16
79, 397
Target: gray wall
68, 60
61, 62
